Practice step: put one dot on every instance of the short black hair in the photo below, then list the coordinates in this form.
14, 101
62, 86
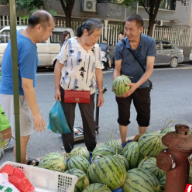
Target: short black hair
137, 18
121, 33
105, 39
39, 17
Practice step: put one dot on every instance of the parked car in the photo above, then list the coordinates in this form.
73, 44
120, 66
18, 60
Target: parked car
47, 51
168, 54
190, 56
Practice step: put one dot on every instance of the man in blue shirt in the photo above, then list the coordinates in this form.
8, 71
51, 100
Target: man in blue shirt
144, 48
38, 30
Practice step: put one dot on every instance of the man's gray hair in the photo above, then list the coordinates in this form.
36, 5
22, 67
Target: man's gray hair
91, 25
137, 18
39, 17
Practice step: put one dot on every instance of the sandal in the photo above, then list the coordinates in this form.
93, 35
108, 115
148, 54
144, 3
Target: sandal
33, 162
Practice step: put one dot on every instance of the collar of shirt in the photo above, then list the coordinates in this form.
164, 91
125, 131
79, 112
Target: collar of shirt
141, 43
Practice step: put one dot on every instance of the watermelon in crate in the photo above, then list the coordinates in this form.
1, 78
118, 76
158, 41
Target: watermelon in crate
120, 85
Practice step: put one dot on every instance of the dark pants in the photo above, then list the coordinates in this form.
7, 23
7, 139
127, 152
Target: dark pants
87, 114
142, 102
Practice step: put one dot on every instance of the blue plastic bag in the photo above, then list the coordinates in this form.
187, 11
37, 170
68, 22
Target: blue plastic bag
57, 121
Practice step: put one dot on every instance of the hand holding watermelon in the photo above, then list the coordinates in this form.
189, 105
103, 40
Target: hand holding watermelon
133, 87
121, 85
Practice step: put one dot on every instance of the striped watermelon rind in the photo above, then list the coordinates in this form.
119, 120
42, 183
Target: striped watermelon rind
150, 144
53, 161
78, 162
162, 181
120, 85
124, 161
103, 150
115, 144
131, 153
108, 170
97, 187
149, 163
141, 181
83, 180
82, 151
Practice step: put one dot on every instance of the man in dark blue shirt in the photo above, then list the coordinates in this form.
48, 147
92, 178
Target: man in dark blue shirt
144, 48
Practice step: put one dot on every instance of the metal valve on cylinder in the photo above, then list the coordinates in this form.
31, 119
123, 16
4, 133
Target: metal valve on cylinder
174, 160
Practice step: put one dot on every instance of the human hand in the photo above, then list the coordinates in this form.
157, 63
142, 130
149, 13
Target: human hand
100, 100
38, 122
133, 87
57, 95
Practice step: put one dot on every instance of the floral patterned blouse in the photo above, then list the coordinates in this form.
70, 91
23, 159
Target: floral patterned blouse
78, 72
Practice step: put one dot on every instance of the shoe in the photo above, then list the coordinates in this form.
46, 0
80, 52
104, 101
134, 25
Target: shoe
125, 143
33, 162
111, 69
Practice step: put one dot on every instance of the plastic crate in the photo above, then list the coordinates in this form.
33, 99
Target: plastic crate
45, 180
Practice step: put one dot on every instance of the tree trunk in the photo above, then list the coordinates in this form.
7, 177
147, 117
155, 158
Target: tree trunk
68, 19
150, 29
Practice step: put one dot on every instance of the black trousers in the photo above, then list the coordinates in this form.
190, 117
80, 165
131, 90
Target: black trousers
87, 114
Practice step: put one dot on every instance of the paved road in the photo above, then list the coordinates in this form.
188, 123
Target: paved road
171, 98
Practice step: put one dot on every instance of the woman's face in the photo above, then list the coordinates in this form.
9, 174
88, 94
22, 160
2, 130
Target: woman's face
93, 37
67, 37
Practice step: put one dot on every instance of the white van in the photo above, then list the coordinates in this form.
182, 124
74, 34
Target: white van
47, 51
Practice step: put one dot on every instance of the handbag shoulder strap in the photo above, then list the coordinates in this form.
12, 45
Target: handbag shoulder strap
124, 43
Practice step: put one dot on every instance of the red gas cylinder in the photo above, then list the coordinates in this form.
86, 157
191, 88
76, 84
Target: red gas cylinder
174, 159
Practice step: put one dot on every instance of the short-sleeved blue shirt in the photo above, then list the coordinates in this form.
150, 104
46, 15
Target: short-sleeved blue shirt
27, 64
130, 66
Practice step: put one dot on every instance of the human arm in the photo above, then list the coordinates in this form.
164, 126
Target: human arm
144, 78
29, 92
99, 80
57, 77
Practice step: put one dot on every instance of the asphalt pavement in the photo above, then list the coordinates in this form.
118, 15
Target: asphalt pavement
171, 98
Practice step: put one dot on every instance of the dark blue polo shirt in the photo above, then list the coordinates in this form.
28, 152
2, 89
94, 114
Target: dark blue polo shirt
130, 66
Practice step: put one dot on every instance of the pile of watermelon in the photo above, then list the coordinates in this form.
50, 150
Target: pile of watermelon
113, 168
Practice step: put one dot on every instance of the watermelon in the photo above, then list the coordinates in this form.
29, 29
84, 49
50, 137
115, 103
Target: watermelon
115, 144
82, 182
108, 170
120, 85
103, 150
131, 153
149, 163
124, 161
53, 161
139, 180
162, 181
97, 187
78, 162
150, 144
82, 151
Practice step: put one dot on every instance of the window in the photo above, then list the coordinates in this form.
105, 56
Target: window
56, 37
158, 46
4, 36
167, 45
166, 4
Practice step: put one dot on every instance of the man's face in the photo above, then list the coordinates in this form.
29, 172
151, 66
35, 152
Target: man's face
45, 32
121, 36
132, 30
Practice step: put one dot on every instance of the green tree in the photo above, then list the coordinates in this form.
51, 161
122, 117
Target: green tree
32, 5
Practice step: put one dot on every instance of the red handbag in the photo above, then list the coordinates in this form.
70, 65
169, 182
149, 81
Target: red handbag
73, 96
